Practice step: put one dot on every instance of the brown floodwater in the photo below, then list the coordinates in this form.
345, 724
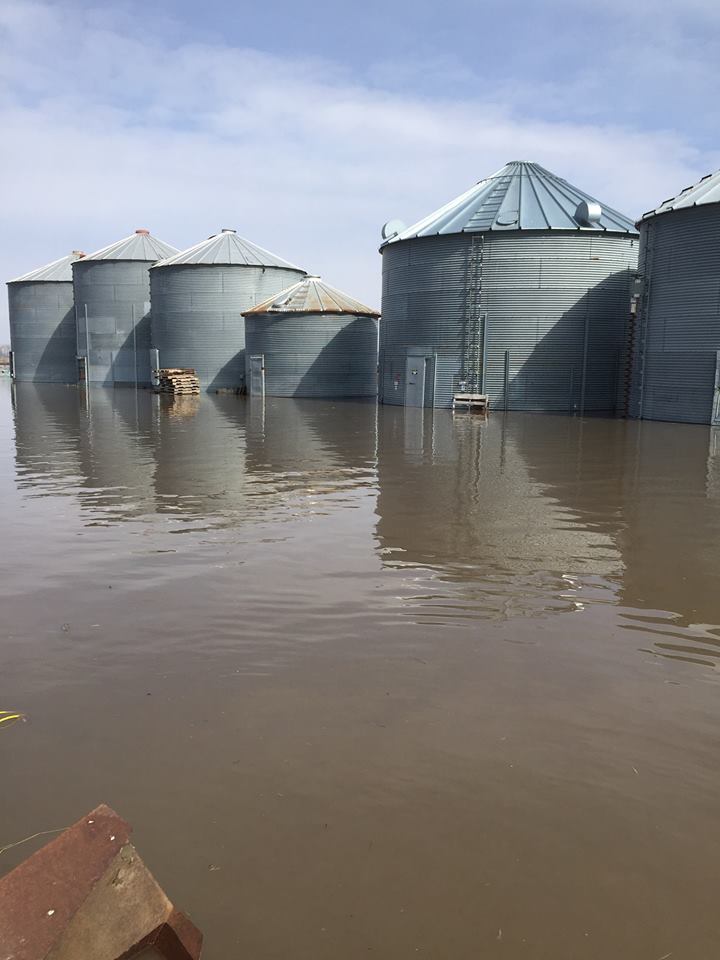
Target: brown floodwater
371, 682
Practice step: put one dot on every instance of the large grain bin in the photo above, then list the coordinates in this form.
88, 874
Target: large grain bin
42, 323
112, 304
676, 337
518, 289
311, 340
198, 298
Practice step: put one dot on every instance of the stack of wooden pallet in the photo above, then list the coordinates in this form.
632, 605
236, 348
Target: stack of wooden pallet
179, 381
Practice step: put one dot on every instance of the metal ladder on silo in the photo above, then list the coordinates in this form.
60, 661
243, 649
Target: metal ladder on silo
644, 316
472, 359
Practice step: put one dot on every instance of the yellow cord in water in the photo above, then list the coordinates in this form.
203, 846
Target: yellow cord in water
8, 715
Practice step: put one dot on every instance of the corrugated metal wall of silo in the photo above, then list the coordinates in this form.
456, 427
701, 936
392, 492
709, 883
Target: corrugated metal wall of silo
314, 354
197, 316
553, 308
678, 330
42, 331
112, 303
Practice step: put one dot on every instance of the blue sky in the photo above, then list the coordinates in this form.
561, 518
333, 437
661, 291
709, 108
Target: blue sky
306, 127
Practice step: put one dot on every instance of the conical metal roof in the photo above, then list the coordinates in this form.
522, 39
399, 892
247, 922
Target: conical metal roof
59, 271
520, 196
703, 192
227, 248
312, 295
140, 245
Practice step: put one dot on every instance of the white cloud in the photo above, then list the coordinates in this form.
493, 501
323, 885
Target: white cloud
105, 131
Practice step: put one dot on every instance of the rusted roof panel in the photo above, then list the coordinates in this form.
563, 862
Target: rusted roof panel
312, 295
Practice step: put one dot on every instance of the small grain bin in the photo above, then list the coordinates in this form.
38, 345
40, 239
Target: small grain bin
311, 340
519, 289
112, 304
42, 323
675, 340
198, 299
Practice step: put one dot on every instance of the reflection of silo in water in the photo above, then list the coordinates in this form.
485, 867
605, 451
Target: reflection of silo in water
47, 421
653, 488
671, 530
201, 460
456, 495
116, 454
312, 447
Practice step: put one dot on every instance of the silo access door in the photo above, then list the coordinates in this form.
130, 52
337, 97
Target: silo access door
419, 380
257, 376
715, 415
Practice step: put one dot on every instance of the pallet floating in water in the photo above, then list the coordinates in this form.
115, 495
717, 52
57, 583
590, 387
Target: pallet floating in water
178, 381
471, 402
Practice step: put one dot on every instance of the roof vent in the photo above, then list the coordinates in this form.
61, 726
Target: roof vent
228, 230
392, 228
144, 233
588, 213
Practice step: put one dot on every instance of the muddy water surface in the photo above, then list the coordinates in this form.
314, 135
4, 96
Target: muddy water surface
371, 682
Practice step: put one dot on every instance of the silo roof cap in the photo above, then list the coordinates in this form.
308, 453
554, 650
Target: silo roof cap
140, 245
59, 271
227, 248
312, 295
703, 192
520, 196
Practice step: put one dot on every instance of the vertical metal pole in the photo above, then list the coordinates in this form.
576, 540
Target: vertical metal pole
135, 345
585, 354
87, 347
483, 373
506, 379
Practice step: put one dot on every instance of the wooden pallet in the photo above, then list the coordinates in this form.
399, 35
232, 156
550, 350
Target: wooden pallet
472, 402
178, 381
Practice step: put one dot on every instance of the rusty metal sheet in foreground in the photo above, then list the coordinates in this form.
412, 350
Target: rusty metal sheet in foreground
87, 893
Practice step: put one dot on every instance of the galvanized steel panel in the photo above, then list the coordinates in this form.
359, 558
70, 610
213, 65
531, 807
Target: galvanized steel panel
520, 196
42, 331
677, 334
114, 296
705, 191
315, 355
197, 316
227, 248
556, 303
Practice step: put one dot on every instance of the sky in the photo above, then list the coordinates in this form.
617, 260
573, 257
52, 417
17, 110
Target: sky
306, 127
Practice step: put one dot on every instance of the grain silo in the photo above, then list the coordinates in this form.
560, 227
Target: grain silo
676, 337
112, 305
42, 323
311, 340
518, 289
198, 298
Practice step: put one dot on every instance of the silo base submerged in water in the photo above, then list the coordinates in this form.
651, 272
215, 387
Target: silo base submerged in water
519, 289
42, 323
676, 340
112, 304
311, 340
198, 298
